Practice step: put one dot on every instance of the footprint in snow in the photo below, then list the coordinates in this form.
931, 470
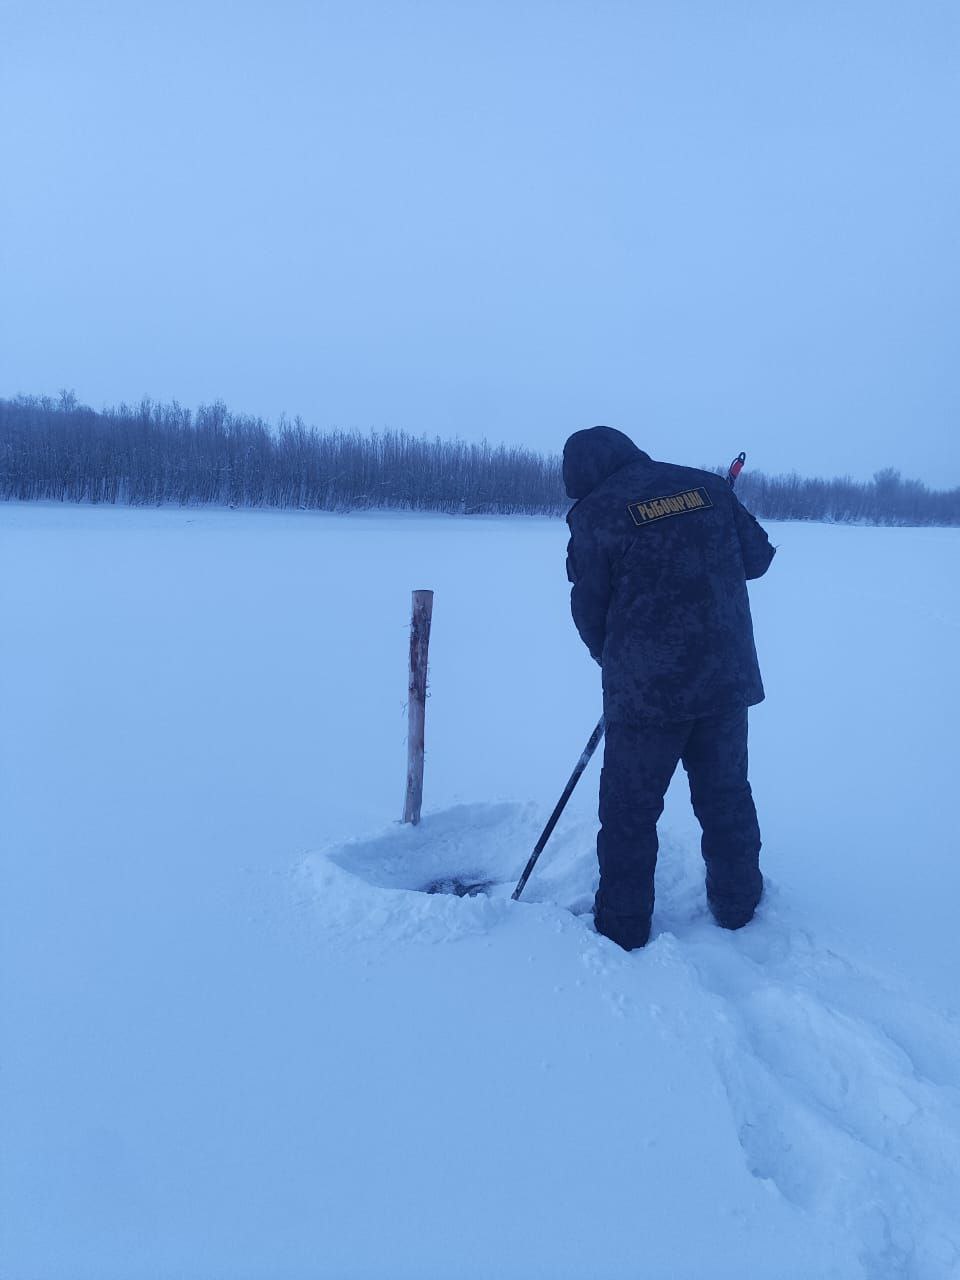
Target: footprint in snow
844, 1090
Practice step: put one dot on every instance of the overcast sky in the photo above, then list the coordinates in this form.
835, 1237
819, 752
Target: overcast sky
715, 225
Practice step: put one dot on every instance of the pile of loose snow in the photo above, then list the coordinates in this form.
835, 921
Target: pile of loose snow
842, 1089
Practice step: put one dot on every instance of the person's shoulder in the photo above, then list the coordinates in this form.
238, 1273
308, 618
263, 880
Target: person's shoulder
600, 513
584, 512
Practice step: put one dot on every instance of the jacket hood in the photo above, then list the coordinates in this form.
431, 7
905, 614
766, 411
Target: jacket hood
591, 456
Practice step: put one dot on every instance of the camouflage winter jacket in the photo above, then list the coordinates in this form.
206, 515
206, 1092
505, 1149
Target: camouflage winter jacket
659, 557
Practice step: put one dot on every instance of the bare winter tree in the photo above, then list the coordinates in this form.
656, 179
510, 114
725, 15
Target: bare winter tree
151, 454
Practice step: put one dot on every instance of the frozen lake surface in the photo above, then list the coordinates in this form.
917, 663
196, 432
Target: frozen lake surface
238, 1040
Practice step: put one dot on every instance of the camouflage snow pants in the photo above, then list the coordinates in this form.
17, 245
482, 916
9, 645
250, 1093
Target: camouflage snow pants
638, 762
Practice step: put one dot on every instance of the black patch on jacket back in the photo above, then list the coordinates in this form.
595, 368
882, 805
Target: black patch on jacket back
677, 504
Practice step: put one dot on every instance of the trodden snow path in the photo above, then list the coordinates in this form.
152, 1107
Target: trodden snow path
844, 1089
239, 1040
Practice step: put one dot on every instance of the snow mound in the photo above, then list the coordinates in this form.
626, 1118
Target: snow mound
841, 1088
451, 876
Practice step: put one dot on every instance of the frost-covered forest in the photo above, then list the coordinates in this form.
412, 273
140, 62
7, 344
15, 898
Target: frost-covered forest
153, 454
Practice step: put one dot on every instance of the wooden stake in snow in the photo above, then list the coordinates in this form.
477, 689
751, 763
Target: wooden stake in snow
417, 700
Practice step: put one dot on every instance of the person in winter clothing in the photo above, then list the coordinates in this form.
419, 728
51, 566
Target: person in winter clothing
658, 558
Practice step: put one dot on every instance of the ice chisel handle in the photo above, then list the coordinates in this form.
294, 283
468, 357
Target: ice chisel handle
582, 763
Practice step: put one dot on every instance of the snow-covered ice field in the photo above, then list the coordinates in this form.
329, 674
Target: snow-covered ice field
239, 1044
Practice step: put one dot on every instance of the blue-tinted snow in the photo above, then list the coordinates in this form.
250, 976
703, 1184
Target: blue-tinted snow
239, 1042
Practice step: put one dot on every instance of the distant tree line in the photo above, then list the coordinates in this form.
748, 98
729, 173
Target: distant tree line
886, 499
154, 454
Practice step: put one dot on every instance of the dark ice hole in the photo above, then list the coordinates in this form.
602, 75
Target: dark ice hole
462, 886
